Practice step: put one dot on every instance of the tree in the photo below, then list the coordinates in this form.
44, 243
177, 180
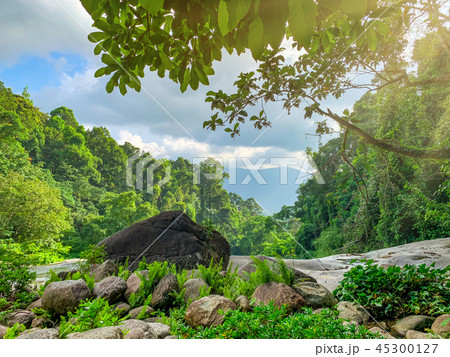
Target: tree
32, 220
334, 39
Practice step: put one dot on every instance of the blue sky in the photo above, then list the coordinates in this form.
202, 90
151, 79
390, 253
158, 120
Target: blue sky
44, 46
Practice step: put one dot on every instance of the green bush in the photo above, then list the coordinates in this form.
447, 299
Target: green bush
92, 255
90, 315
274, 322
397, 291
14, 281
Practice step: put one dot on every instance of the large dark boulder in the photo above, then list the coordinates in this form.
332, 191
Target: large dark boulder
169, 236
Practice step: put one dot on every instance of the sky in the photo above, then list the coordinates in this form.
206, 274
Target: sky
44, 46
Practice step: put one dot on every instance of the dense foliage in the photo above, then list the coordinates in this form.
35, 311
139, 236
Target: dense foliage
397, 291
272, 322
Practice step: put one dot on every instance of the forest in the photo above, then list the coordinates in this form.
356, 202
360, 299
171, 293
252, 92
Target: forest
64, 188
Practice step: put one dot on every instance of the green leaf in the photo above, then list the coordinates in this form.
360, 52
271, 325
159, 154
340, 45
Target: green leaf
274, 15
110, 86
152, 6
108, 59
383, 28
90, 5
371, 39
325, 40
354, 8
255, 35
203, 78
97, 36
222, 18
302, 14
165, 60
193, 82
237, 9
99, 72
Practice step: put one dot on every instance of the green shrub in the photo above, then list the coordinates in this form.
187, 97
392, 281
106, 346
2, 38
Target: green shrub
14, 331
92, 255
397, 291
14, 281
272, 322
90, 315
156, 271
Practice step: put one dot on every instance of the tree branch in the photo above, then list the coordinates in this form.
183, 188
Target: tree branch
410, 152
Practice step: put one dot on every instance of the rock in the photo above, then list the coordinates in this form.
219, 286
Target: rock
39, 334
171, 337
161, 297
64, 274
159, 330
417, 335
35, 305
382, 332
152, 319
111, 288
413, 322
169, 236
205, 311
250, 268
280, 294
137, 311
315, 295
192, 287
137, 329
40, 322
123, 307
63, 296
3, 331
134, 282
108, 332
354, 312
104, 270
23, 317
243, 303
441, 325
193, 273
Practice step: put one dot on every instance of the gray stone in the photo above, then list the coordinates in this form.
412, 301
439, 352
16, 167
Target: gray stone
171, 337
40, 322
111, 288
159, 330
280, 294
169, 236
39, 334
161, 297
382, 332
106, 269
3, 331
63, 296
134, 313
136, 329
193, 287
205, 311
23, 317
134, 282
413, 322
315, 295
441, 325
354, 312
35, 305
417, 335
123, 307
243, 303
109, 332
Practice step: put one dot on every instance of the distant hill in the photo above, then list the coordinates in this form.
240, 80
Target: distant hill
271, 196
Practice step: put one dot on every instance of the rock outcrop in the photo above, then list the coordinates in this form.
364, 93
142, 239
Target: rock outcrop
169, 236
111, 288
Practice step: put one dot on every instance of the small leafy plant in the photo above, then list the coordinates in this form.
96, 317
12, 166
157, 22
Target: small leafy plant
397, 291
91, 256
89, 315
14, 331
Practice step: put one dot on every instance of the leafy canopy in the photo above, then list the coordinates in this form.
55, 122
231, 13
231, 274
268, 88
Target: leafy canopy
333, 39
